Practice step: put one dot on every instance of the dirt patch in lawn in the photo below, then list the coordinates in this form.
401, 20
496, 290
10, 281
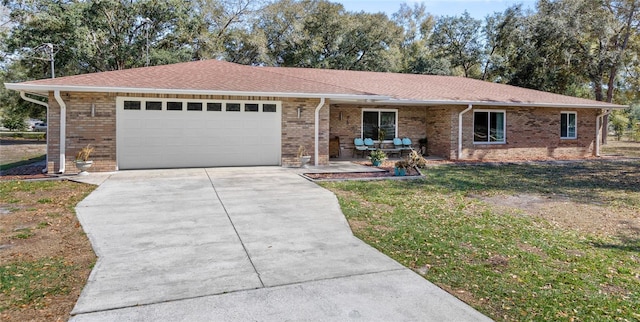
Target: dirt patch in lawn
564, 213
46, 257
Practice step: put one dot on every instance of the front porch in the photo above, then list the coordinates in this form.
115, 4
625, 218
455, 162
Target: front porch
384, 123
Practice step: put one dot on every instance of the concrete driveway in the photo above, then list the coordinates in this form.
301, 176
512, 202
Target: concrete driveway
260, 244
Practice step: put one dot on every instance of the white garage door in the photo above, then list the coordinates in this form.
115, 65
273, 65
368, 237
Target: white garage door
173, 133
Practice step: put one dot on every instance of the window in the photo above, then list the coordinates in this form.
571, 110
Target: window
192, 106
233, 107
214, 107
568, 125
271, 108
488, 126
375, 123
174, 106
131, 105
250, 107
153, 106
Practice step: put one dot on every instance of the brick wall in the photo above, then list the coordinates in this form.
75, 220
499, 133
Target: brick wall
99, 129
534, 133
298, 132
412, 123
439, 129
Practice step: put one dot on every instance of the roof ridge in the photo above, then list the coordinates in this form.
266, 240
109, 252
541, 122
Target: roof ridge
271, 69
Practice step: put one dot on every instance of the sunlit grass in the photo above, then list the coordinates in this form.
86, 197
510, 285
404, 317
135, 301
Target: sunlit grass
508, 266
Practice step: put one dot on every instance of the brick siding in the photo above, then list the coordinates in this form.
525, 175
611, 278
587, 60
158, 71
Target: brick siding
530, 132
298, 132
534, 133
99, 130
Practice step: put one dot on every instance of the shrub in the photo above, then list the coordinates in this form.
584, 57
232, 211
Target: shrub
14, 123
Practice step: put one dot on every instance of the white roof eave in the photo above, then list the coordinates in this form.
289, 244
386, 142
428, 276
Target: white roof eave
369, 99
66, 88
483, 103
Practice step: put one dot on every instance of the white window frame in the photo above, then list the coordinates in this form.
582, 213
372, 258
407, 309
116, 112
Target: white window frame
120, 104
575, 125
504, 126
379, 110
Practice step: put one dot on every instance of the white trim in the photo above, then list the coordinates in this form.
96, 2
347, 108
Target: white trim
470, 107
24, 96
480, 103
67, 88
336, 98
63, 130
120, 102
504, 127
395, 135
575, 137
317, 130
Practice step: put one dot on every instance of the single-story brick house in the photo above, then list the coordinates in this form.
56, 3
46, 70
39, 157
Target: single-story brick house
213, 113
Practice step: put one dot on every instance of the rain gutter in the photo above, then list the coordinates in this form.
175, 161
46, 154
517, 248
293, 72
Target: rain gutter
317, 130
459, 156
63, 129
24, 96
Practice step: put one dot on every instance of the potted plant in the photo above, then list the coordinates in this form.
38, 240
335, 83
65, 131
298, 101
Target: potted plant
377, 157
382, 133
82, 160
303, 157
400, 168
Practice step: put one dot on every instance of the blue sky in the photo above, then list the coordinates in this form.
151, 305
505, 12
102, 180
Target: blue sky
476, 8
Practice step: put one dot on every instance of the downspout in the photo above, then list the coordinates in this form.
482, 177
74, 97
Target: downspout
63, 129
24, 96
317, 131
460, 130
598, 132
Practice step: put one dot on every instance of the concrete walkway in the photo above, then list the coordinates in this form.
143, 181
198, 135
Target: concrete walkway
237, 244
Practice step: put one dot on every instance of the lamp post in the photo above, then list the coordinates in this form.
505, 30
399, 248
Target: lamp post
147, 23
51, 54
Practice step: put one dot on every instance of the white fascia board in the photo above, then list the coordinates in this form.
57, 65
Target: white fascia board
483, 103
45, 89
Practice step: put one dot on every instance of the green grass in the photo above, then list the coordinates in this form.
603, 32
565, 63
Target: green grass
508, 266
32, 187
11, 165
25, 135
23, 233
28, 282
31, 281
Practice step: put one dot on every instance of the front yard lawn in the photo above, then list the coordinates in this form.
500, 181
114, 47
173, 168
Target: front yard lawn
45, 257
517, 242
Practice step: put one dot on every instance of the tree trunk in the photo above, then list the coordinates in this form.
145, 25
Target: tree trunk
613, 72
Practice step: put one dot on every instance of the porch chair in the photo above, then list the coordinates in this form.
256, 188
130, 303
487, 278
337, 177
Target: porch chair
370, 145
406, 144
359, 146
397, 145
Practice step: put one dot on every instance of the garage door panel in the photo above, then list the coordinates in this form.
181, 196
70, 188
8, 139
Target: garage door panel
173, 139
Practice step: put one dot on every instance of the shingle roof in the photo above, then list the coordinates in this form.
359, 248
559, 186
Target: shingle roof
204, 75
431, 87
223, 77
